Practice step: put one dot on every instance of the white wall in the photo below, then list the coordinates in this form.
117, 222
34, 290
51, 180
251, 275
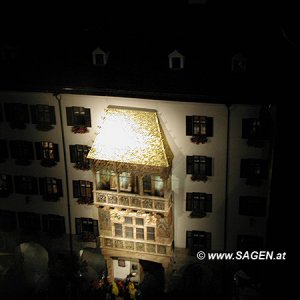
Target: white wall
239, 224
172, 116
16, 202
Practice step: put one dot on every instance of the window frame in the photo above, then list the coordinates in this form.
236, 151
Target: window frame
83, 190
22, 151
17, 114
27, 185
43, 116
51, 188
199, 166
78, 155
54, 230
90, 235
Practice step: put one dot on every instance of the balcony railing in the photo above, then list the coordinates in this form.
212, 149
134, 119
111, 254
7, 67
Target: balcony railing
138, 202
144, 247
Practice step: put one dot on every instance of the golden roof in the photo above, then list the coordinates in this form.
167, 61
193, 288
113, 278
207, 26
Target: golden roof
131, 139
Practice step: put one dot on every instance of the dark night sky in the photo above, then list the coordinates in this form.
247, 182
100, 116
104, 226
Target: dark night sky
268, 33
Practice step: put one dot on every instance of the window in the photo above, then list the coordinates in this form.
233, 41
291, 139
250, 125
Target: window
139, 233
128, 183
139, 221
47, 152
51, 188
3, 151
252, 206
26, 185
43, 116
176, 60
99, 59
254, 170
150, 233
29, 221
128, 220
87, 229
118, 230
153, 185
22, 152
198, 241
78, 154
238, 64
256, 131
199, 204
17, 115
54, 225
79, 118
199, 127
125, 180
199, 166
8, 220
106, 180
6, 186
129, 232
83, 191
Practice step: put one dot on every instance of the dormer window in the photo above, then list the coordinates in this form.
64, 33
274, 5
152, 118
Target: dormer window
238, 64
99, 57
176, 60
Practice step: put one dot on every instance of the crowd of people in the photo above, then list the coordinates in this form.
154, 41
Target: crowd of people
126, 289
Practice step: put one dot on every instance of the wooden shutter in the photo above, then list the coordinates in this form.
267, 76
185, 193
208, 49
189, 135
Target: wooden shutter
59, 187
38, 150
95, 228
208, 166
76, 189
209, 126
52, 115
189, 164
70, 116
189, 125
78, 225
56, 152
189, 202
34, 114
189, 239
208, 203
87, 117
73, 153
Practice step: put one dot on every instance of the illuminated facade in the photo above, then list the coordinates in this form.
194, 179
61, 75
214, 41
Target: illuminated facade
132, 165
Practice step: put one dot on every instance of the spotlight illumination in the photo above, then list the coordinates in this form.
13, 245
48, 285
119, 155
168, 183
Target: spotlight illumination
131, 136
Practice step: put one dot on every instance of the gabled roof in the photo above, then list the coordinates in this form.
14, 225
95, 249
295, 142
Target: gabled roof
175, 53
131, 139
99, 51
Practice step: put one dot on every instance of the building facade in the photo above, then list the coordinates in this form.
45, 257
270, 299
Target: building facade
212, 195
